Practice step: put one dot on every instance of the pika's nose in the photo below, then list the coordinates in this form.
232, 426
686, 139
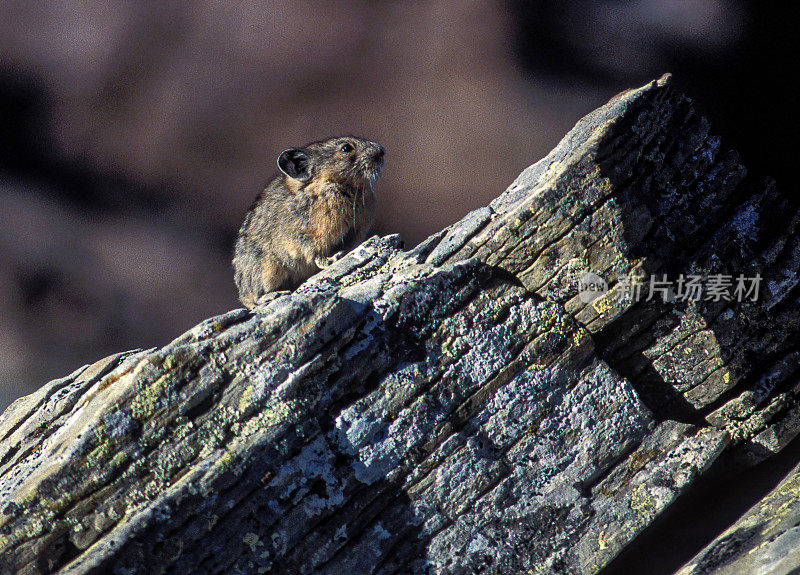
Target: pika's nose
377, 155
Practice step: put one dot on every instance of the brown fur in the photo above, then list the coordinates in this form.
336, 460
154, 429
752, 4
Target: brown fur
321, 203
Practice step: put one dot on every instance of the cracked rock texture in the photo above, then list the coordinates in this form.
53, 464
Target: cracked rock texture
456, 408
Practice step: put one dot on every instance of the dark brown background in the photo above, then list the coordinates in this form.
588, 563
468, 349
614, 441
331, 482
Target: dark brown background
133, 136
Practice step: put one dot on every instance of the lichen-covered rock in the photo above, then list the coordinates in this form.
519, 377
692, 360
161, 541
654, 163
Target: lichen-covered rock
766, 540
457, 408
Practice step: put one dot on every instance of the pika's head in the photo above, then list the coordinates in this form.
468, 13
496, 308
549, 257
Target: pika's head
348, 160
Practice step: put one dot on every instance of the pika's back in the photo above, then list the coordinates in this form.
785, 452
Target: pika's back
321, 203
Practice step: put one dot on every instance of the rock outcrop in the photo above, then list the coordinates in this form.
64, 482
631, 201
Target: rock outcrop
458, 408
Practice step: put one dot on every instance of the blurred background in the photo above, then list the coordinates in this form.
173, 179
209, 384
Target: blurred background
134, 135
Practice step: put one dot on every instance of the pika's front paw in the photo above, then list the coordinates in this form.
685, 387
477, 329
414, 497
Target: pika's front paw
268, 297
323, 262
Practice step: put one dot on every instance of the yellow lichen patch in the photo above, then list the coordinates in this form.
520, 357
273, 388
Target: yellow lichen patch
606, 490
252, 540
275, 413
759, 546
578, 336
57, 505
555, 323
119, 458
98, 456
99, 431
548, 316
641, 499
170, 361
534, 426
146, 402
603, 304
601, 183
602, 540
244, 400
226, 459
33, 528
727, 377
770, 527
791, 487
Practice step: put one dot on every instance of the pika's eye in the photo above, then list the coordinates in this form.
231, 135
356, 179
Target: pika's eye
346, 148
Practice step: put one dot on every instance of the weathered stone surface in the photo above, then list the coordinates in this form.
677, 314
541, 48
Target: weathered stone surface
766, 540
456, 408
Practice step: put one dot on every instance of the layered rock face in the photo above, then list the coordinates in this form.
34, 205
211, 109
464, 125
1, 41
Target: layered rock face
462, 407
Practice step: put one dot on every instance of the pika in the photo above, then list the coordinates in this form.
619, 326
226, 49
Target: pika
318, 207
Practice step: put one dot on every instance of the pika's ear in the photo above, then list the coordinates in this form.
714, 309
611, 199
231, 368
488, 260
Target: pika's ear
295, 163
